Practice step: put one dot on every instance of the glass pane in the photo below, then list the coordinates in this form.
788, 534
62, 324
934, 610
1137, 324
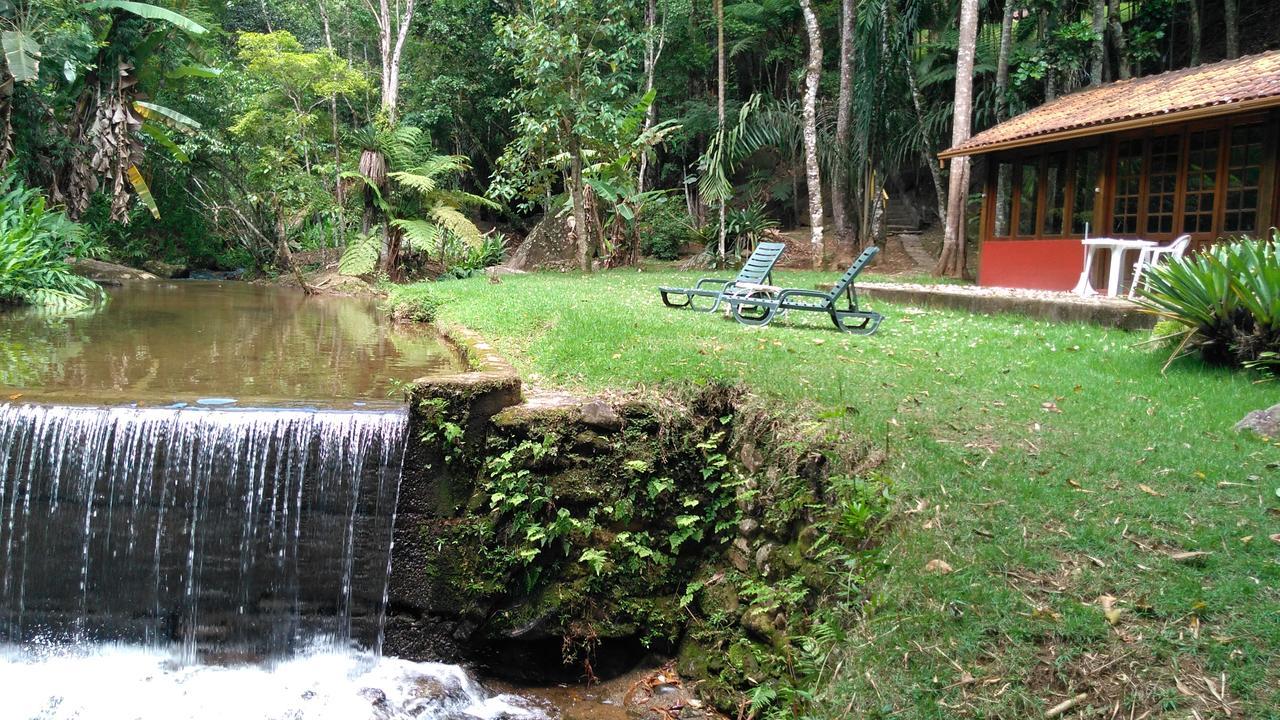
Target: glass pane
1086, 184
1244, 172
1162, 183
1028, 197
1055, 187
1004, 198
1128, 176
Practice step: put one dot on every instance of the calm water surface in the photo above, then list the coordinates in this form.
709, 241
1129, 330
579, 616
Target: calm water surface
193, 341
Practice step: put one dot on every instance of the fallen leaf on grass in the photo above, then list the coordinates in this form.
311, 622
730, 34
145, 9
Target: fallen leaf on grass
1050, 407
937, 566
1189, 555
1275, 538
1147, 489
1109, 609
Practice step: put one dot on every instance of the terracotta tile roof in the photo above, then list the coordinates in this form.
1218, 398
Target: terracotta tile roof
1253, 81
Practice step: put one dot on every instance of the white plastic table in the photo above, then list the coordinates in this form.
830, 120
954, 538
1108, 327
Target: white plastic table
1118, 247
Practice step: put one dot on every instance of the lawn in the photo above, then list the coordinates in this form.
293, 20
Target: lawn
1052, 467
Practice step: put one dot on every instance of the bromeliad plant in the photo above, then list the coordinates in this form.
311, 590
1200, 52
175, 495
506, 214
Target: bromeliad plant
1225, 302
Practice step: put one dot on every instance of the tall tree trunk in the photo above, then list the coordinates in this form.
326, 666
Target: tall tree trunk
333, 122
952, 261
393, 29
1231, 14
1002, 61
813, 177
1098, 54
580, 229
1197, 39
652, 51
844, 109
720, 92
1118, 40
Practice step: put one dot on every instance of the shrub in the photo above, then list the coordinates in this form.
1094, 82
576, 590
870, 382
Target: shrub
34, 245
415, 303
664, 230
1226, 301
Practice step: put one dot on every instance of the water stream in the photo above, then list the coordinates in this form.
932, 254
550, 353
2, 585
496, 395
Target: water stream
192, 534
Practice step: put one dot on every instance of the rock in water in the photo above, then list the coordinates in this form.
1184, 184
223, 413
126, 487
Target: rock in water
1263, 422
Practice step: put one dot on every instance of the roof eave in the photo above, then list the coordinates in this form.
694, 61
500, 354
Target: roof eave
1207, 111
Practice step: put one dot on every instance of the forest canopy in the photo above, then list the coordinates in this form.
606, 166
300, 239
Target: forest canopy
420, 137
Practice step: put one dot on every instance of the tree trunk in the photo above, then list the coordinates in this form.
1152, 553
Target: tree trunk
952, 261
844, 108
580, 228
1002, 61
393, 30
1197, 41
1098, 54
1118, 40
813, 178
333, 122
1231, 14
720, 92
652, 51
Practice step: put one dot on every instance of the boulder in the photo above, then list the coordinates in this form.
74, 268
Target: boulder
107, 273
166, 269
550, 246
1262, 422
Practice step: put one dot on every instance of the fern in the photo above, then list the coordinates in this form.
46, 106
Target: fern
422, 235
361, 255
453, 220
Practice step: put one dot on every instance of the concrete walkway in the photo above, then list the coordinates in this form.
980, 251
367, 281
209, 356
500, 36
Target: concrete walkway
1059, 306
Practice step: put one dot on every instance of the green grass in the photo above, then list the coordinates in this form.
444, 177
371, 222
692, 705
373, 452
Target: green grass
1048, 464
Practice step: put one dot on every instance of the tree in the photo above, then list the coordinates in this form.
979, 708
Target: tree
844, 108
572, 61
1231, 17
287, 84
720, 127
952, 261
813, 74
393, 29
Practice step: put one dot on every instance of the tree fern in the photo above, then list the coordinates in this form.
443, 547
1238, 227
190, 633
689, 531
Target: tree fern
422, 235
361, 255
453, 220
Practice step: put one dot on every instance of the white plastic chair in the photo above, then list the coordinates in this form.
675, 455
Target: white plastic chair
1152, 256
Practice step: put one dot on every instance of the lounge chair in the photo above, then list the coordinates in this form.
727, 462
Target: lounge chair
757, 269
755, 304
1152, 256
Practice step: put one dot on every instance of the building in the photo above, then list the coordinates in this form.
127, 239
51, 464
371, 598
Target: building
1190, 151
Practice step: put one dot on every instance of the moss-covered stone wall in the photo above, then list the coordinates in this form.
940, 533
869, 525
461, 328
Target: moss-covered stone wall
564, 538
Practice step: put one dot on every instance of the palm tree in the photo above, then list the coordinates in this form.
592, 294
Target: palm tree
813, 73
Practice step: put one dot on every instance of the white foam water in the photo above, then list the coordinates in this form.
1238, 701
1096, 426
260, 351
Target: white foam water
134, 682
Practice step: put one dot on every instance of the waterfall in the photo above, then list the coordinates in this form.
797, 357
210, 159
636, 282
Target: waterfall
226, 533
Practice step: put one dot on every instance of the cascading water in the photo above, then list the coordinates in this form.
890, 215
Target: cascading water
163, 563
250, 532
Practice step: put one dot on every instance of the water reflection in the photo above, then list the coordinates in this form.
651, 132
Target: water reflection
170, 342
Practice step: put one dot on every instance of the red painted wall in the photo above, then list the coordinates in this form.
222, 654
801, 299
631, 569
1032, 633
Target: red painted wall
1035, 264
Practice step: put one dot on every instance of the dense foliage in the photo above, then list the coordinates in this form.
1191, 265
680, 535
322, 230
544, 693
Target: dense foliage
35, 243
1224, 302
235, 133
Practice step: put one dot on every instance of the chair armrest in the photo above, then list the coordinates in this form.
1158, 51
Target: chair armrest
722, 283
804, 293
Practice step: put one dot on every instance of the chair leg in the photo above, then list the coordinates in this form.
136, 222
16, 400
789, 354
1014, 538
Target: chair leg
688, 300
870, 321
762, 315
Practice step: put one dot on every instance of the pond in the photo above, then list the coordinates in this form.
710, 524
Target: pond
192, 341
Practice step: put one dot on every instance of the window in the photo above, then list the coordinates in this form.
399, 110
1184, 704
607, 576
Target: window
1202, 181
1055, 193
1128, 187
1244, 177
1004, 198
1028, 197
1162, 183
1086, 182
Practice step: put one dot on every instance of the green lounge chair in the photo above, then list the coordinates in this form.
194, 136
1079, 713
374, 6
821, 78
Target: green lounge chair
758, 268
760, 304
